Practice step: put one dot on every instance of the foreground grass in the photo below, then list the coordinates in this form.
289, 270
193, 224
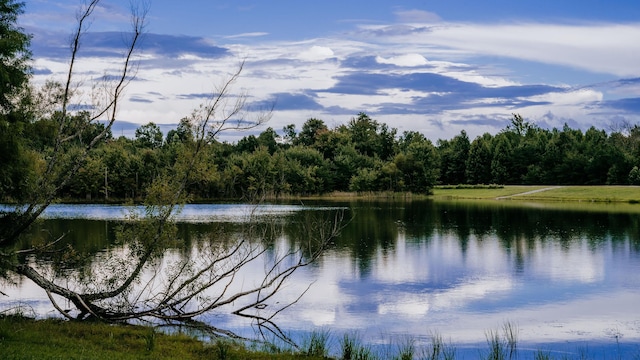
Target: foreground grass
24, 338
628, 194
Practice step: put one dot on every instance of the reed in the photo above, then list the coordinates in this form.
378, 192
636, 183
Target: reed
317, 343
352, 348
438, 350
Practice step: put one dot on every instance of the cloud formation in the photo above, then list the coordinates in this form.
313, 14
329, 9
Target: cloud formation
417, 72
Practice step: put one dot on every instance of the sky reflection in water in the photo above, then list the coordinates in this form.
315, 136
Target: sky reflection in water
456, 269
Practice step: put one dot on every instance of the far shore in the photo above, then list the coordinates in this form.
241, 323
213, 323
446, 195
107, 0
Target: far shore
541, 193
628, 194
596, 193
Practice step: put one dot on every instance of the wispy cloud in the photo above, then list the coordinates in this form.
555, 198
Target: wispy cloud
420, 16
112, 44
606, 48
246, 35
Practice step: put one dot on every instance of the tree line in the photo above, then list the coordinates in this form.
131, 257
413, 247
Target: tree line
362, 155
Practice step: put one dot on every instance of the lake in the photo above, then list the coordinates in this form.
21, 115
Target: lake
567, 275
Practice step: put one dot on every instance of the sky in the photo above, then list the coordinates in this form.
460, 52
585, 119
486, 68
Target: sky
437, 67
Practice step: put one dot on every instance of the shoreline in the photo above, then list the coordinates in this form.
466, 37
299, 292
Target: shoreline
26, 337
539, 193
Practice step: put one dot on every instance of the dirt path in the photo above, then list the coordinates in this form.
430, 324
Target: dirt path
529, 192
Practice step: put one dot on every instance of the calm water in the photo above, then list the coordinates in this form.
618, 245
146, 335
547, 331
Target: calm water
569, 278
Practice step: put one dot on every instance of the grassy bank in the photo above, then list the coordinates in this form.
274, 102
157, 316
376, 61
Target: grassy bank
25, 338
541, 193
617, 194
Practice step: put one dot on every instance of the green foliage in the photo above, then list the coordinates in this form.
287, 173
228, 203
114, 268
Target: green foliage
14, 54
316, 344
478, 166
18, 165
149, 136
182, 134
453, 159
634, 176
362, 156
311, 131
16, 162
269, 139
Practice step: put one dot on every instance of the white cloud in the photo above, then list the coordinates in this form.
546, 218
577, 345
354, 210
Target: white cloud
458, 51
570, 98
603, 48
475, 289
409, 60
316, 53
408, 305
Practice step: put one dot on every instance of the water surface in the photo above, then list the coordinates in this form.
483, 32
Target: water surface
566, 276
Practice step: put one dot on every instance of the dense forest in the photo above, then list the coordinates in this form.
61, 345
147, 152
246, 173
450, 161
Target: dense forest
362, 155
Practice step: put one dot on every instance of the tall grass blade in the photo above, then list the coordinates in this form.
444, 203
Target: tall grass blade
317, 343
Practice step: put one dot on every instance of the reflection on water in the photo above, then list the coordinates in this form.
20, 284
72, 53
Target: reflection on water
417, 267
194, 213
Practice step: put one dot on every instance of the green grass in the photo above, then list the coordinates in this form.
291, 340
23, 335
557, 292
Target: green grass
629, 194
481, 193
605, 193
24, 338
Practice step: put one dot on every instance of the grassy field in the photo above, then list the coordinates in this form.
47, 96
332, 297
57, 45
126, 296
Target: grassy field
481, 193
617, 194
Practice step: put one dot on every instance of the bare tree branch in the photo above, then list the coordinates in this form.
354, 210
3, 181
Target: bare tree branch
142, 282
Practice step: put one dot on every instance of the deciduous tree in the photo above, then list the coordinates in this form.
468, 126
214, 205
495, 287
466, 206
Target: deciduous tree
128, 284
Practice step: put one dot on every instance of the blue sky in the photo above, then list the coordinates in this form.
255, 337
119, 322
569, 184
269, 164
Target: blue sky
437, 67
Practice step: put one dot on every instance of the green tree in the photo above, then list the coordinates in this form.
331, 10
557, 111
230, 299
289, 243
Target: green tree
366, 179
501, 160
453, 159
14, 54
478, 165
290, 134
311, 130
247, 144
418, 162
149, 136
364, 135
259, 174
182, 134
269, 139
634, 176
16, 162
567, 158
599, 156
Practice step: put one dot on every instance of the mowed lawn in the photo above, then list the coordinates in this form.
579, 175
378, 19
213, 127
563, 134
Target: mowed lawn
482, 193
605, 193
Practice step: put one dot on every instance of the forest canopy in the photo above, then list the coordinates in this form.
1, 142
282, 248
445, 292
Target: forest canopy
362, 155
